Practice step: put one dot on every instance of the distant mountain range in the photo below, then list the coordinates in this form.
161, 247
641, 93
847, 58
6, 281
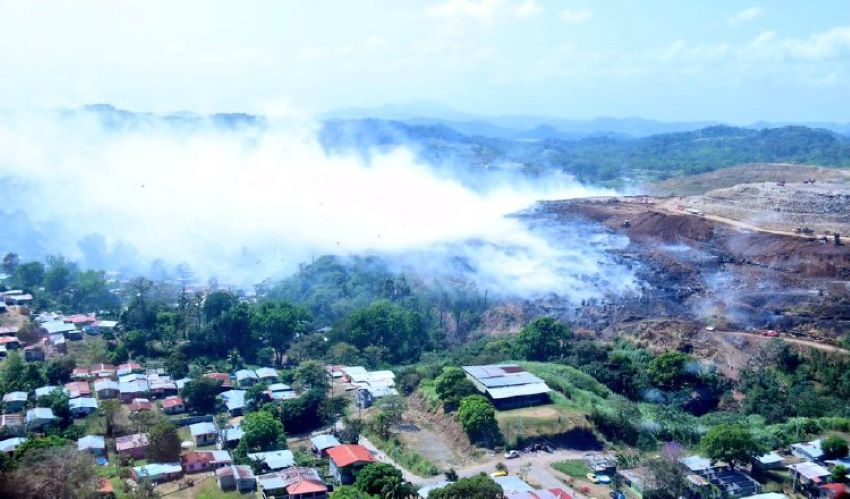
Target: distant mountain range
538, 127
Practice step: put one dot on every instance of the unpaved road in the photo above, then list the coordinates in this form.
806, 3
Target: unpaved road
796, 341
671, 207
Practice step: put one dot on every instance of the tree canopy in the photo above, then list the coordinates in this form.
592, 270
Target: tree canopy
477, 487
732, 444
542, 340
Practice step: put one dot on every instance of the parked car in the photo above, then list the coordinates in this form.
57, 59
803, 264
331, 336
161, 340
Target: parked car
496, 474
598, 478
770, 333
512, 454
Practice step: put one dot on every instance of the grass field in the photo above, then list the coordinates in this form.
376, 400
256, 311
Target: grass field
574, 468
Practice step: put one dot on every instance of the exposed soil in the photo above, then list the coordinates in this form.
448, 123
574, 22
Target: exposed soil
439, 437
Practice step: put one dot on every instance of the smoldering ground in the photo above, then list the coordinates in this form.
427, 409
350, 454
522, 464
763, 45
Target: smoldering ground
246, 199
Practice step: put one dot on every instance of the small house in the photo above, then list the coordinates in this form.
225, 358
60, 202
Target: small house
45, 391
808, 450
293, 483
15, 401
138, 405
204, 433
769, 461
231, 436
162, 386
12, 424
10, 342
274, 460
808, 474
173, 405
129, 390
76, 389
321, 443
223, 378
129, 368
82, 406
102, 370
105, 326
135, 446
200, 461
106, 389
158, 472
246, 378
234, 401
267, 374
80, 373
34, 353
40, 418
346, 461
236, 476
93, 444
9, 445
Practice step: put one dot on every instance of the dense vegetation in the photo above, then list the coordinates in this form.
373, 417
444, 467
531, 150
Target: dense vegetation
600, 159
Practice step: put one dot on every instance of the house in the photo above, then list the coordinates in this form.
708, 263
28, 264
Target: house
141, 405
234, 401
334, 371
102, 370
372, 378
105, 489
58, 327
267, 374
15, 401
351, 372
173, 405
10, 342
80, 320
130, 390
769, 461
833, 491
204, 433
106, 389
231, 436
236, 476
246, 378
12, 424
129, 368
366, 397
93, 444
224, 378
697, 465
105, 325
556, 493
808, 474
278, 392
58, 342
321, 443
76, 389
40, 418
157, 472
274, 460
347, 460
9, 445
205, 460
33, 353
508, 385
82, 406
808, 450
80, 373
135, 446
161, 386
19, 299
293, 483
511, 484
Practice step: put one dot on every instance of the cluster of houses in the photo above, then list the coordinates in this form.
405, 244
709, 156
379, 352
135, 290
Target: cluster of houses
809, 472
369, 385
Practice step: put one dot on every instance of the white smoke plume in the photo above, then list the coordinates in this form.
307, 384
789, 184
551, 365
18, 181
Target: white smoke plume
248, 203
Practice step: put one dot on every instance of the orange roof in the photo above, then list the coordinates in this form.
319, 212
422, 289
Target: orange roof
172, 402
105, 486
306, 487
8, 339
346, 455
141, 405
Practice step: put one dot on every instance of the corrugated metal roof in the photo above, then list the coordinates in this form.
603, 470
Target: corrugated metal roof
518, 391
510, 380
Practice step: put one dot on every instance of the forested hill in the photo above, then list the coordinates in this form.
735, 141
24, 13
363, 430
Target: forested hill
599, 159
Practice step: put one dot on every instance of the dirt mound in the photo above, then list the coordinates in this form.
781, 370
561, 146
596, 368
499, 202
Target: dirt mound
668, 228
745, 174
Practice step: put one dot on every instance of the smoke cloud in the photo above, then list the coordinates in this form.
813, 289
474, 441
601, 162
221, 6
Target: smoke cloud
244, 203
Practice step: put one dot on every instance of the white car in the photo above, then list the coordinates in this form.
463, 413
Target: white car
512, 454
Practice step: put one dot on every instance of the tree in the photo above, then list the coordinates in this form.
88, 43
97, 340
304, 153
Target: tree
478, 418
263, 432
111, 410
10, 263
452, 385
478, 487
350, 492
311, 375
278, 323
29, 276
839, 473
834, 447
672, 370
732, 444
666, 477
59, 275
391, 326
200, 394
542, 340
164, 443
58, 371
28, 333
54, 472
380, 479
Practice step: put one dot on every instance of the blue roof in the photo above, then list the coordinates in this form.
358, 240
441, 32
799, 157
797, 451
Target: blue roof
82, 402
322, 442
157, 469
276, 459
232, 433
202, 428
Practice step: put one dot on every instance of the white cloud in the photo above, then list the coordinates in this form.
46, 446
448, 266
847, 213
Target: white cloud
529, 8
483, 11
745, 15
577, 16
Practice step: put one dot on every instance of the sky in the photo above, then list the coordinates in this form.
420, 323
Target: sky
732, 61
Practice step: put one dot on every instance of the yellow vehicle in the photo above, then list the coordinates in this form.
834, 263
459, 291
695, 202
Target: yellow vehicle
499, 473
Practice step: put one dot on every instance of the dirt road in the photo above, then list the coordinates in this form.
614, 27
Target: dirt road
671, 207
796, 341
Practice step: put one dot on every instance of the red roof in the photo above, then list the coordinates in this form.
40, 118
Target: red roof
170, 402
81, 318
141, 405
80, 370
105, 486
346, 455
81, 387
8, 339
306, 487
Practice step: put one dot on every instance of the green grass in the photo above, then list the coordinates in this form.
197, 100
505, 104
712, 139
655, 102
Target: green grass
429, 393
208, 489
574, 468
404, 456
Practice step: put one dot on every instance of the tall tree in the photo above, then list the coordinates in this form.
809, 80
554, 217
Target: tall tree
452, 385
732, 444
278, 323
10, 263
391, 326
478, 418
164, 443
56, 472
477, 487
542, 340
200, 394
381, 479
263, 432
